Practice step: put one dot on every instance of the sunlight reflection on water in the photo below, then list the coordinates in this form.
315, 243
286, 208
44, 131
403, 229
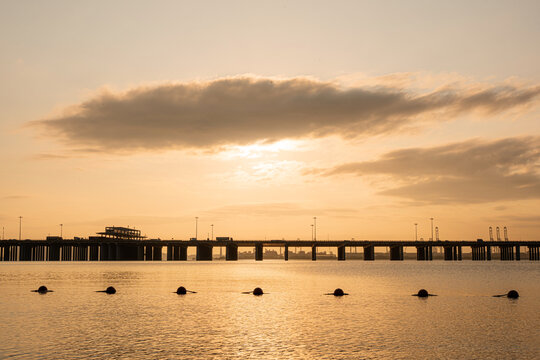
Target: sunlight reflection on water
379, 319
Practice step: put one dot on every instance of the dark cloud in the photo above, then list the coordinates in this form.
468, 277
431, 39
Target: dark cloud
245, 110
467, 172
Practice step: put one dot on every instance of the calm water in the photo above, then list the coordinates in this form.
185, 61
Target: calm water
379, 319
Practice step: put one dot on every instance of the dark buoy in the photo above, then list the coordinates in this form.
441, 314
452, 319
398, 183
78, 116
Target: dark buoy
512, 294
181, 290
110, 290
257, 291
423, 293
338, 292
42, 290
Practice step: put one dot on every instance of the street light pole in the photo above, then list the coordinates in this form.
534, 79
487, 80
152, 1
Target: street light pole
315, 228
431, 229
61, 228
20, 227
311, 232
415, 231
212, 231
196, 226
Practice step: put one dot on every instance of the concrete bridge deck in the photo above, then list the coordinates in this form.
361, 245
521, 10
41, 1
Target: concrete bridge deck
113, 250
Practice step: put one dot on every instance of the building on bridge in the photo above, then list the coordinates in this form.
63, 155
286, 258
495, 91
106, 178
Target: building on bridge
119, 233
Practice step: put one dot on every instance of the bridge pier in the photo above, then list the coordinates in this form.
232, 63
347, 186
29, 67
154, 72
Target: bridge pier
176, 252
231, 252
54, 252
66, 252
204, 252
534, 254
369, 253
488, 249
459, 253
286, 253
421, 253
148, 253
313, 253
396, 252
447, 253
158, 252
341, 253
518, 253
258, 252
169, 252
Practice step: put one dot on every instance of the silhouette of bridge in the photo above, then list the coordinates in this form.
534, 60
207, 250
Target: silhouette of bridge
110, 249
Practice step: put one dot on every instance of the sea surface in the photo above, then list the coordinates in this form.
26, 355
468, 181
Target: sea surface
294, 319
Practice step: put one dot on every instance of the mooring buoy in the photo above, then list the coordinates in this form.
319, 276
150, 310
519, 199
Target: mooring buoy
110, 290
42, 290
257, 291
181, 290
512, 294
423, 293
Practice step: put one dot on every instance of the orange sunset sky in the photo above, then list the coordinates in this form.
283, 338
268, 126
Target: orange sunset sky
258, 116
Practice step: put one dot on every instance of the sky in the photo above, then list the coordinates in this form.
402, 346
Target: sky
257, 117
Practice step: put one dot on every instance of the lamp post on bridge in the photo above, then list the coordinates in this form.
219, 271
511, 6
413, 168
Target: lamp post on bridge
61, 230
311, 232
20, 227
196, 226
314, 228
431, 229
212, 225
415, 231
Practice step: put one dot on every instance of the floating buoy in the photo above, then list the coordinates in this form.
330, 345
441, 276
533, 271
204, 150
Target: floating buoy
110, 290
181, 290
512, 294
338, 292
257, 291
42, 290
423, 293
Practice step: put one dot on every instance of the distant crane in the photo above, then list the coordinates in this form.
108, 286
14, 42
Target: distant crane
490, 233
498, 233
505, 234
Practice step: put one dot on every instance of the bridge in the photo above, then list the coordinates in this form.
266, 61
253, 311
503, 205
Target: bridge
111, 249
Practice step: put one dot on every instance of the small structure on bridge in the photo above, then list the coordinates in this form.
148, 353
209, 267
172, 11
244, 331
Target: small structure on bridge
119, 233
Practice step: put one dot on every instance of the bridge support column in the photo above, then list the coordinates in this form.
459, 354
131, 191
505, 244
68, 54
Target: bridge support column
231, 252
103, 252
204, 252
169, 252
54, 252
369, 252
158, 252
182, 253
341, 253
447, 253
313, 253
396, 252
421, 253
176, 252
94, 252
430, 253
518, 253
148, 253
459, 253
258, 252
286, 253
488, 249
67, 252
